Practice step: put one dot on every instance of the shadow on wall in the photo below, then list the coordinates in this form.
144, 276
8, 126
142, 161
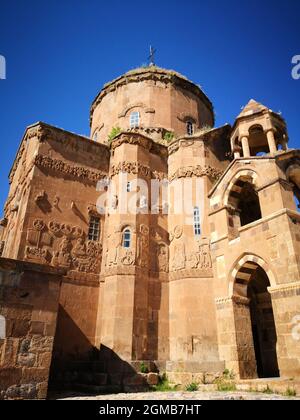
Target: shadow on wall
93, 371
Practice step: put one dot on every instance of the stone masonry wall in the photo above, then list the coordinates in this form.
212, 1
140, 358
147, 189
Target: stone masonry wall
29, 295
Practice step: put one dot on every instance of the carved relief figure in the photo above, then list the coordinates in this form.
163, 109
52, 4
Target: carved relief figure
63, 256
79, 249
179, 257
143, 246
201, 258
34, 237
112, 251
162, 258
128, 258
205, 257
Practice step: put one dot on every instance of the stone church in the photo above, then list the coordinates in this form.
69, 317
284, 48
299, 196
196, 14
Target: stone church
92, 295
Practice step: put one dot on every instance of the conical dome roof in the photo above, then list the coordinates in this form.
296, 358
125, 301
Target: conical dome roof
252, 107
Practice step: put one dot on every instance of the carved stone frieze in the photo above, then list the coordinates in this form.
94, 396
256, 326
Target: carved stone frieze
136, 168
38, 255
62, 245
60, 166
196, 171
200, 258
131, 138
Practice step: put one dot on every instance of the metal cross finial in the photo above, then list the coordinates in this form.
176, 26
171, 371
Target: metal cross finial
151, 57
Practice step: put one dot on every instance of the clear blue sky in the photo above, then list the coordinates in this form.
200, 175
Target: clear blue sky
60, 52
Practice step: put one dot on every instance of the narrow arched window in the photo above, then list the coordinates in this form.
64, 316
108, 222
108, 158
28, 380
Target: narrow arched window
189, 128
134, 119
127, 238
197, 225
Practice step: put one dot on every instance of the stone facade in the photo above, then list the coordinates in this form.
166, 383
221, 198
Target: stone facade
29, 298
153, 287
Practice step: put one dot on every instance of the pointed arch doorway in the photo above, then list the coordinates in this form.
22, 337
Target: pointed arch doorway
255, 327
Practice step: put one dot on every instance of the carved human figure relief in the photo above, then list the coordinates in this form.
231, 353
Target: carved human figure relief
79, 249
143, 246
205, 257
201, 258
112, 251
194, 259
63, 256
179, 257
162, 258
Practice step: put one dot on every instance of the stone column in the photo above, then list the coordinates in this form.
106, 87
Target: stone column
236, 152
284, 144
245, 146
271, 141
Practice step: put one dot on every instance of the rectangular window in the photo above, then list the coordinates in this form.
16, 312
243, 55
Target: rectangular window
127, 238
128, 186
134, 119
94, 229
197, 226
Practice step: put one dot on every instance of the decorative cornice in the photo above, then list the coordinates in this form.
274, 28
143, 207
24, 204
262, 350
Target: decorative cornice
60, 166
239, 300
284, 290
139, 139
191, 274
131, 138
196, 171
136, 168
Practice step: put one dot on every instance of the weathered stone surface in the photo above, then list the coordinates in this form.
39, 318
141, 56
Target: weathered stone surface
183, 396
25, 353
196, 296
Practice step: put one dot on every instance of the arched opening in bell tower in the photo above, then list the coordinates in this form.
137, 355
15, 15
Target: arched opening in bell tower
243, 205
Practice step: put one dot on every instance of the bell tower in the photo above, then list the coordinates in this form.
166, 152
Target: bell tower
258, 130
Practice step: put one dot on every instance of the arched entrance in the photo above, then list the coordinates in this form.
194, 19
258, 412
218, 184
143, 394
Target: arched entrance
254, 322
